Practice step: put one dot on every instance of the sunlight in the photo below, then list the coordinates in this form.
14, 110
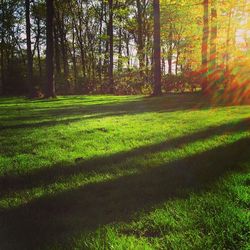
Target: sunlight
124, 124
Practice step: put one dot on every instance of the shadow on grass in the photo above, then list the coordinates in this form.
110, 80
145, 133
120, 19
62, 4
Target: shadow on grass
54, 122
140, 105
50, 175
60, 217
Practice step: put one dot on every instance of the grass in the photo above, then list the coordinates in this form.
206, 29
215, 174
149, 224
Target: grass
106, 172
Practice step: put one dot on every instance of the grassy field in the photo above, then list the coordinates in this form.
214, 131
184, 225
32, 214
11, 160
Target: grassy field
106, 172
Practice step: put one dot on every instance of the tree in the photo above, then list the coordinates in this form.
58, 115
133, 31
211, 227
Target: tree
213, 37
170, 49
213, 44
157, 49
140, 36
2, 47
228, 38
204, 47
111, 47
29, 51
61, 44
38, 15
50, 86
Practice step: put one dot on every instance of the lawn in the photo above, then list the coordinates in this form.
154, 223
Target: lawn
129, 172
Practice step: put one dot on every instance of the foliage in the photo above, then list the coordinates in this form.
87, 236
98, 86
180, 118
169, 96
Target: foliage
82, 43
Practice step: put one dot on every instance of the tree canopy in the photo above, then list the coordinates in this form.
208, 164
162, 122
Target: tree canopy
110, 46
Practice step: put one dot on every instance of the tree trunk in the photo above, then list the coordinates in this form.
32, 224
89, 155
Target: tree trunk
74, 56
170, 50
100, 44
2, 51
213, 43
157, 49
63, 44
140, 37
80, 43
29, 51
111, 48
83, 59
38, 47
120, 64
177, 61
204, 47
57, 52
50, 85
127, 50
213, 39
163, 62
228, 39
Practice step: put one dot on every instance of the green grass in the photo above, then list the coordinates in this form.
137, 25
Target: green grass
106, 172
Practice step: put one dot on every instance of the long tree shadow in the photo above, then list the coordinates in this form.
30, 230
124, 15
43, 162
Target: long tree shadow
105, 164
62, 216
55, 122
79, 111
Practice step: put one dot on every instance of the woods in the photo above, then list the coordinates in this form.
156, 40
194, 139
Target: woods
124, 124
114, 46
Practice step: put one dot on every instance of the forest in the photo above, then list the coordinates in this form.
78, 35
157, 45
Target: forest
124, 47
124, 124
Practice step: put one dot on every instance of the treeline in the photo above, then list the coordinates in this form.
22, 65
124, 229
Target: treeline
118, 46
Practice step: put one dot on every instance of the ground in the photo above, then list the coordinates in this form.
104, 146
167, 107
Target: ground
131, 172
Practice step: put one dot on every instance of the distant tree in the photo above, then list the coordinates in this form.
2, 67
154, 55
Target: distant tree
2, 47
228, 37
140, 35
60, 33
157, 49
170, 49
213, 44
38, 15
213, 37
50, 86
204, 47
29, 50
111, 47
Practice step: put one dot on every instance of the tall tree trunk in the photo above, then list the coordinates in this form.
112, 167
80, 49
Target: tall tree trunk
140, 37
57, 52
177, 61
2, 66
63, 44
111, 48
127, 50
79, 36
29, 51
50, 85
83, 59
170, 50
204, 47
163, 66
157, 49
213, 42
100, 44
74, 55
148, 71
213, 38
106, 54
228, 39
120, 64
2, 50
38, 46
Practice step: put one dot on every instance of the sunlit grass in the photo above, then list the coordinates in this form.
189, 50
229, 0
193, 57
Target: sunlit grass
89, 172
